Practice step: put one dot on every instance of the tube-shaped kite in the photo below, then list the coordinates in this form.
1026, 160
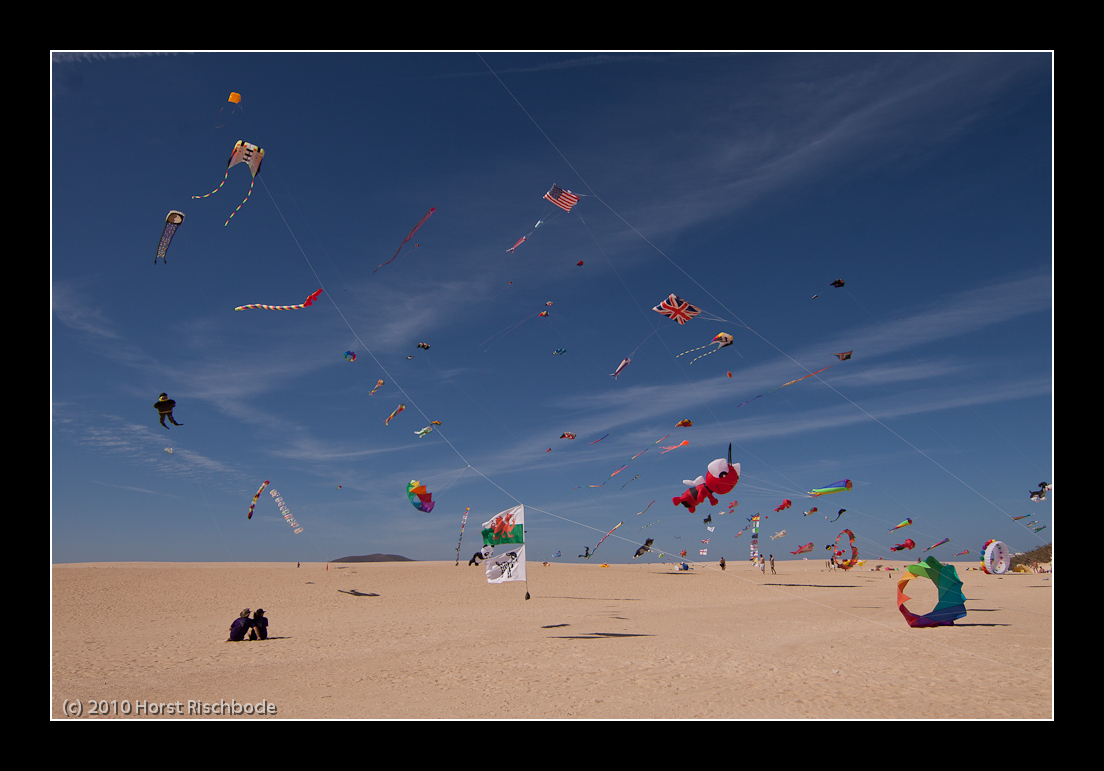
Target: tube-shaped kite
906, 523
398, 409
172, 221
837, 487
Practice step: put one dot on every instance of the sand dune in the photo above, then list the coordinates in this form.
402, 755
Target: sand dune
404, 640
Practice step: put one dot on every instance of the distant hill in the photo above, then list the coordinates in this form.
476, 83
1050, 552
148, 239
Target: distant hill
375, 558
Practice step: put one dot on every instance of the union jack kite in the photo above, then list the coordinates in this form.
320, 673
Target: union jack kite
676, 308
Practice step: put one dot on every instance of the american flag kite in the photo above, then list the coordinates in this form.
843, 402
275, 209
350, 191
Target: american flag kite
565, 199
674, 307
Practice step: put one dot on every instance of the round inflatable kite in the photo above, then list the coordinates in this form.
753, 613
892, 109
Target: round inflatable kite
419, 497
995, 557
951, 603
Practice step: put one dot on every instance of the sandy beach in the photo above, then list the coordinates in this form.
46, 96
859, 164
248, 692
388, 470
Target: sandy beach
430, 640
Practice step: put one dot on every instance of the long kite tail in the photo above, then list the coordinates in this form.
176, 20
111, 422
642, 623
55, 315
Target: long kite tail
409, 236
251, 184
224, 178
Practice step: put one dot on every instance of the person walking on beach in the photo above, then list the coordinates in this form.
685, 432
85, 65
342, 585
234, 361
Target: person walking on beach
773, 571
241, 625
722, 563
259, 629
762, 565
165, 407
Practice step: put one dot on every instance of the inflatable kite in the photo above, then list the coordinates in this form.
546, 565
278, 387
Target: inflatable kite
779, 534
810, 511
255, 497
408, 237
248, 154
419, 497
172, 222
720, 478
784, 505
305, 304
838, 515
906, 523
951, 603
565, 199
803, 549
838, 487
567, 435
683, 443
424, 346
379, 384
398, 409
995, 557
937, 544
908, 544
350, 356
1036, 495
677, 309
684, 424
169, 450
624, 363
849, 563
645, 548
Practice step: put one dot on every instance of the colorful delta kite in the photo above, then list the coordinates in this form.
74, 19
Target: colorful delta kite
803, 549
350, 356
849, 563
908, 544
419, 497
937, 544
248, 154
844, 356
784, 505
723, 340
408, 237
674, 307
620, 367
837, 487
565, 199
906, 523
172, 222
950, 604
721, 476
255, 497
995, 557
305, 304
285, 511
398, 409
506, 529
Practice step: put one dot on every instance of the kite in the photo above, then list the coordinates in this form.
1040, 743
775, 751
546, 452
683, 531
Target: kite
723, 340
420, 498
684, 424
543, 313
906, 523
565, 199
1037, 529
243, 152
837, 487
589, 553
995, 557
1025, 516
559, 352
967, 551
567, 435
677, 309
838, 515
720, 478
937, 544
682, 444
285, 511
1036, 495
633, 480
624, 363
305, 304
811, 511
350, 356
424, 346
596, 441
951, 603
235, 99
760, 396
837, 283
779, 534
579, 263
615, 473
165, 406
169, 450
844, 356
803, 549
421, 432
379, 384
848, 563
908, 544
463, 522
172, 222
409, 236
398, 409
521, 241
645, 548
255, 497
784, 505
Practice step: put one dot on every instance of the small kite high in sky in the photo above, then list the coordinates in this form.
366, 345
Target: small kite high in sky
567, 435
620, 367
837, 283
398, 409
677, 309
379, 385
779, 534
305, 304
248, 154
408, 237
950, 604
683, 443
844, 356
565, 199
350, 356
172, 222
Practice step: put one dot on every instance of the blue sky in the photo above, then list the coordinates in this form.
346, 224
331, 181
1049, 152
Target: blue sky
744, 183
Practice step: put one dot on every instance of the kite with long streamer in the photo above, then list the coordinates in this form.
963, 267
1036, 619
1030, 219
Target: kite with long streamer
305, 304
760, 396
607, 535
408, 237
255, 497
723, 340
246, 153
463, 522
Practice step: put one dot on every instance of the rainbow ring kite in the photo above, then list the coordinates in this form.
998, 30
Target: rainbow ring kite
951, 603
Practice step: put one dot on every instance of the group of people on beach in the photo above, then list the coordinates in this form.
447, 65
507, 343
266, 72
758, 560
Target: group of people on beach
256, 627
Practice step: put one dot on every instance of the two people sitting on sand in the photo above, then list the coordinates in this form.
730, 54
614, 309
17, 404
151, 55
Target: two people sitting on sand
256, 627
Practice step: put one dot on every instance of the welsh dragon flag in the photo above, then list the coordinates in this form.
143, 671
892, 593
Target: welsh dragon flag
505, 534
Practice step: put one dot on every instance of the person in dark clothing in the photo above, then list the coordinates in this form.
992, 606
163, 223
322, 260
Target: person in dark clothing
241, 625
259, 631
165, 407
